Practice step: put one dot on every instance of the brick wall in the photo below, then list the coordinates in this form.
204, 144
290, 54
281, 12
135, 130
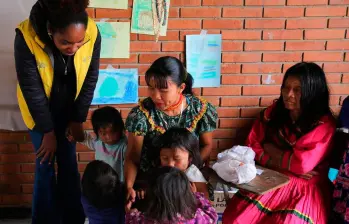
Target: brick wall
260, 37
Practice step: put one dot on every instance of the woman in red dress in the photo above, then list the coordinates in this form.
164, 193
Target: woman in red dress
292, 136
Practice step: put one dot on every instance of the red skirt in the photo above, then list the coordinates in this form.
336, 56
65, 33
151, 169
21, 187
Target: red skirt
300, 201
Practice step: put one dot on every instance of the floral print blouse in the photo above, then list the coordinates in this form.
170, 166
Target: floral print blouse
145, 120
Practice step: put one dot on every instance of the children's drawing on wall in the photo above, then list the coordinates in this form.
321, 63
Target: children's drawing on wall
109, 4
203, 59
116, 86
150, 17
115, 39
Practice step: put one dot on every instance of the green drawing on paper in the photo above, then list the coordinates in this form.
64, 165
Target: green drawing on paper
111, 4
115, 39
142, 18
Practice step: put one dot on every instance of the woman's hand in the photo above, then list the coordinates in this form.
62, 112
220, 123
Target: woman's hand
130, 198
193, 187
48, 147
140, 194
76, 130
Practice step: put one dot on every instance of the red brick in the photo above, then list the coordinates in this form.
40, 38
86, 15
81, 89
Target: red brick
176, 24
150, 58
222, 24
6, 188
173, 12
260, 90
232, 46
333, 78
228, 112
170, 35
323, 56
339, 2
286, 12
27, 147
134, 36
195, 32
240, 79
264, 2
113, 13
82, 167
17, 158
86, 156
172, 46
345, 78
339, 89
197, 91
261, 68
234, 123
27, 188
241, 57
282, 34
306, 23
28, 168
227, 68
222, 91
241, 35
185, 3
324, 34
335, 110
14, 137
307, 2
224, 133
87, 125
268, 100
264, 23
274, 57
337, 45
200, 12
8, 148
214, 100
9, 168
264, 46
144, 46
222, 2
240, 101
250, 112
305, 45
91, 12
326, 11
11, 199
132, 59
275, 79
224, 144
17, 178
242, 12
338, 23
143, 92
334, 100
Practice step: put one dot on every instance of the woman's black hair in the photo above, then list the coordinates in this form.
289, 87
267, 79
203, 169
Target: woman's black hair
166, 68
62, 13
314, 100
169, 194
107, 117
178, 138
101, 185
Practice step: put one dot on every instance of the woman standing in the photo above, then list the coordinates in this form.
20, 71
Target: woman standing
171, 104
57, 54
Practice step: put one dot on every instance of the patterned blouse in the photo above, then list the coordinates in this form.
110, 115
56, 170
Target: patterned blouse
145, 120
205, 214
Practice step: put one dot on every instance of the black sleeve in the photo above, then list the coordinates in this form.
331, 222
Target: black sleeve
31, 85
83, 102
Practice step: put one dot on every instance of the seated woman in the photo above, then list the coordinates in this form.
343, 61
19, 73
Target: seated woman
292, 136
171, 104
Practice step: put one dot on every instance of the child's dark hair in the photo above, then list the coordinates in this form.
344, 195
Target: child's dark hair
169, 194
107, 117
62, 13
101, 185
171, 68
179, 138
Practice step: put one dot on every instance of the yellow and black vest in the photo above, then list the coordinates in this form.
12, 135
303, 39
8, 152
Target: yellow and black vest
82, 59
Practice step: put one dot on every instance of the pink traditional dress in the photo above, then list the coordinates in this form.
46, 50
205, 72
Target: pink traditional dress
301, 201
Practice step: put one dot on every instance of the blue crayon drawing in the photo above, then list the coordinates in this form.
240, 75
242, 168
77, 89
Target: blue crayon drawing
116, 86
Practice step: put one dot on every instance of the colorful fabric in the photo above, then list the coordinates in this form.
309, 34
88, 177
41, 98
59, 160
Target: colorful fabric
145, 120
114, 155
301, 201
205, 214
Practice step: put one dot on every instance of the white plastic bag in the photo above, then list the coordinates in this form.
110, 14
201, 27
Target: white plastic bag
194, 174
236, 165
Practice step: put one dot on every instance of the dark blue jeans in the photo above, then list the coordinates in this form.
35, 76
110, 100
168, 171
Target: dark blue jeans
56, 200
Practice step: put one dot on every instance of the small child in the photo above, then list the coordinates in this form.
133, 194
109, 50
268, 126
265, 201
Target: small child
102, 197
171, 199
178, 147
110, 143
